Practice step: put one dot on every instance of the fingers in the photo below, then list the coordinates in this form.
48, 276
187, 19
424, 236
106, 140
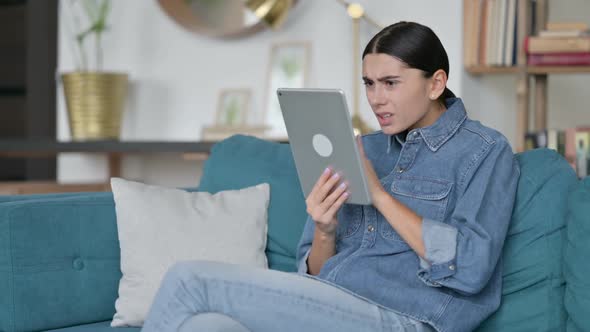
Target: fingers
321, 180
327, 187
325, 194
323, 187
336, 206
331, 198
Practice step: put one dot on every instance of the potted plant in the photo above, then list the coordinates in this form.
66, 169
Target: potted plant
95, 98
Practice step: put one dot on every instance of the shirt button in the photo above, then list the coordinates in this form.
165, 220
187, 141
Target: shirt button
370, 228
400, 170
452, 267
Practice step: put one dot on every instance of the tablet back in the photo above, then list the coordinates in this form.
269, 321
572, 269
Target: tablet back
320, 133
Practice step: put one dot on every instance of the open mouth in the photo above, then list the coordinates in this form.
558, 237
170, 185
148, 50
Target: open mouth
385, 119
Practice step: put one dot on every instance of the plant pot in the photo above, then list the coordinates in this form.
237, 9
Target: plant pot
95, 103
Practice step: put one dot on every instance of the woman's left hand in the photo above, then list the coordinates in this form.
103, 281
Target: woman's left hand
375, 187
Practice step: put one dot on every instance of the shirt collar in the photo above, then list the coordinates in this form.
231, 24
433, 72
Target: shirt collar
441, 131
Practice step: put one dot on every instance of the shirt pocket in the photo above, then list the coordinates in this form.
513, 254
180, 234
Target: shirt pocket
349, 220
426, 197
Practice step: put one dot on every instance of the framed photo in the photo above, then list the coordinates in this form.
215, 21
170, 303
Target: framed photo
233, 107
288, 68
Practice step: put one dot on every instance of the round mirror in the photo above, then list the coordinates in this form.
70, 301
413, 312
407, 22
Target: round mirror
227, 18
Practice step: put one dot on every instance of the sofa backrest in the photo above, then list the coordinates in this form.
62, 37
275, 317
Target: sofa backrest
59, 255
533, 283
577, 259
243, 161
59, 261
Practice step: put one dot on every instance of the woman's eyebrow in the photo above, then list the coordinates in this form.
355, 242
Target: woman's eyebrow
384, 78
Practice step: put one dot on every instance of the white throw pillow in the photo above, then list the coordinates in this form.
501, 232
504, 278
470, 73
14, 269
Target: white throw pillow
159, 226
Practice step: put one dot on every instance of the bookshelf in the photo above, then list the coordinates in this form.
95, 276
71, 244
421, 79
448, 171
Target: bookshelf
526, 18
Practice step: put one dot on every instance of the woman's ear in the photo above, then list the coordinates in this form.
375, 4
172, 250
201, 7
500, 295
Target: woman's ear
438, 84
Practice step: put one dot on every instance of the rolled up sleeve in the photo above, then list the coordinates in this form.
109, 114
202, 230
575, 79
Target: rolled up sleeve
462, 252
304, 246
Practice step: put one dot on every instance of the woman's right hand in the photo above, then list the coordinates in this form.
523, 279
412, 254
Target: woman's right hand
325, 200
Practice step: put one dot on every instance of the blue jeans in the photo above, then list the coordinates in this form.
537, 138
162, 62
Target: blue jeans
209, 296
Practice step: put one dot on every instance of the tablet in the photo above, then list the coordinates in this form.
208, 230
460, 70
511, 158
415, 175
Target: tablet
320, 133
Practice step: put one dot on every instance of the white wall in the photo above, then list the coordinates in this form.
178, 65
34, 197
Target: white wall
176, 76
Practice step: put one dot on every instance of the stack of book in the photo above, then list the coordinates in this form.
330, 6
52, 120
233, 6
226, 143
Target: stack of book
560, 44
490, 32
571, 143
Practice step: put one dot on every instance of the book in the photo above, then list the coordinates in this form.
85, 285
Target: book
557, 26
530, 141
472, 10
502, 31
468, 27
557, 45
571, 146
536, 139
563, 33
582, 153
559, 59
490, 32
510, 34
483, 33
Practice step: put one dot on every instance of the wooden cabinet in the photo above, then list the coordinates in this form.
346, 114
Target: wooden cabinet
28, 61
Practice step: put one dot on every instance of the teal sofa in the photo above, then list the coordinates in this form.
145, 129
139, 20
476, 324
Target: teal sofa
59, 254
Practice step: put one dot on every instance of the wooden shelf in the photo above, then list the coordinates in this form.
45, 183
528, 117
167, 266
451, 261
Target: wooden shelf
480, 70
47, 187
558, 69
26, 147
191, 150
477, 70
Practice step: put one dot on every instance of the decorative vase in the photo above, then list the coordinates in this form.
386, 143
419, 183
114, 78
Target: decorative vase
95, 103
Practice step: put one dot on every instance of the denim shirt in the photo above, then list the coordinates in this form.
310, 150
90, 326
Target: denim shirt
460, 177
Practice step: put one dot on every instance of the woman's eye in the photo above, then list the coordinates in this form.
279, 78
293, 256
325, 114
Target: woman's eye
391, 83
367, 83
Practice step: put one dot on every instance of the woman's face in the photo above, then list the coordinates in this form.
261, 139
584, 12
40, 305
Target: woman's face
401, 97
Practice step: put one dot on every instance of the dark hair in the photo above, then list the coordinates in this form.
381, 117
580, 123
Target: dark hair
414, 44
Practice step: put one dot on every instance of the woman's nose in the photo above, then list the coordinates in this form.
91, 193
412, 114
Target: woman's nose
378, 97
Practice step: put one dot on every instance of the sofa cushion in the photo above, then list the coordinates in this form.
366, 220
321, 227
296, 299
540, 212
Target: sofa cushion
159, 226
533, 284
243, 161
576, 253
97, 327
59, 262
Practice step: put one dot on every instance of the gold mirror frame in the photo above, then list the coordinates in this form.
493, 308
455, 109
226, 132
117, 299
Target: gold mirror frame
181, 12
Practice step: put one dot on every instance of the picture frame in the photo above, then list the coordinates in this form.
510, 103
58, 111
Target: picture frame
288, 67
233, 107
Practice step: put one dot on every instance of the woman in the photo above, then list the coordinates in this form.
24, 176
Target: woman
425, 256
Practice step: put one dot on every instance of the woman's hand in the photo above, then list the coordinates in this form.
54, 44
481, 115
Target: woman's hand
375, 188
324, 201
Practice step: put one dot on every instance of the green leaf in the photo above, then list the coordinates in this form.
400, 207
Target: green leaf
101, 22
91, 9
